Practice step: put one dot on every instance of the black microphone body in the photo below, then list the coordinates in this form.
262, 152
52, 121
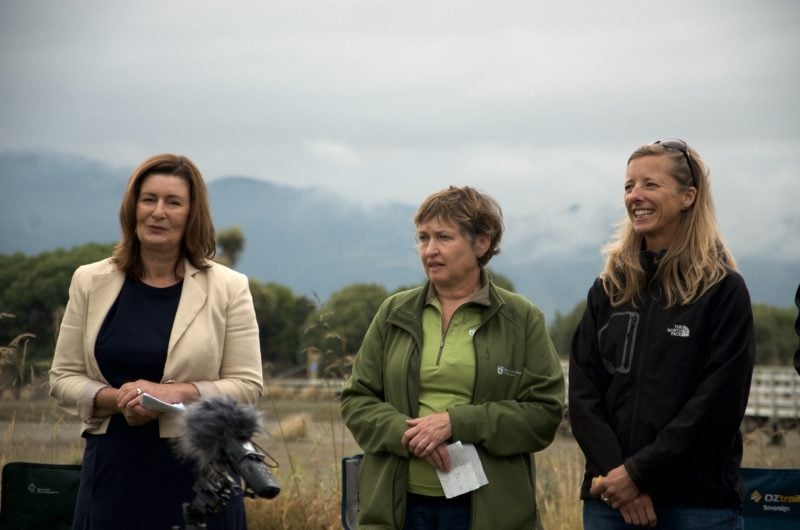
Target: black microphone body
248, 460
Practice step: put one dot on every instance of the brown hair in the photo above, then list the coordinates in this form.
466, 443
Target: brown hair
697, 258
474, 213
198, 245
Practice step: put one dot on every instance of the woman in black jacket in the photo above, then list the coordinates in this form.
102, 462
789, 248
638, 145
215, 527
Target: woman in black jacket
661, 362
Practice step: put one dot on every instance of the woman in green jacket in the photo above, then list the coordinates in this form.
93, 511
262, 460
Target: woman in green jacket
456, 360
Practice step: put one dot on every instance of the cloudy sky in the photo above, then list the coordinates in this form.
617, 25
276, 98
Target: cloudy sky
538, 103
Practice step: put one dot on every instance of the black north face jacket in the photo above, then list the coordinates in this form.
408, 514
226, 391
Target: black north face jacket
664, 390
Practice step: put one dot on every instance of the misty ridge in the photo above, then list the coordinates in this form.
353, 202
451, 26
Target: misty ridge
312, 240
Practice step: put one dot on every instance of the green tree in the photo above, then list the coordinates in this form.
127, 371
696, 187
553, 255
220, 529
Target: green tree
337, 328
776, 341
230, 243
501, 280
563, 326
281, 316
35, 289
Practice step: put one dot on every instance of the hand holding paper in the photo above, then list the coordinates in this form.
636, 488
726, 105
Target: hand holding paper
466, 471
153, 403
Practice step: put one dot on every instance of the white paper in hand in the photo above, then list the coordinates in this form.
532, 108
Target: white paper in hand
153, 403
466, 471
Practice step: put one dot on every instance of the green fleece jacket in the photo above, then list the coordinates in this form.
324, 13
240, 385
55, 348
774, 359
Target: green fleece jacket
516, 407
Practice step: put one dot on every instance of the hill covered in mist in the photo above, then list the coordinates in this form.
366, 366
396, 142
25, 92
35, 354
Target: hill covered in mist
313, 241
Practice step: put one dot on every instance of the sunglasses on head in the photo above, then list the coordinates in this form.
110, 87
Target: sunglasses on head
676, 144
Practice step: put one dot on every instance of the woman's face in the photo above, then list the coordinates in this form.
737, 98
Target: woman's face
450, 260
654, 200
162, 210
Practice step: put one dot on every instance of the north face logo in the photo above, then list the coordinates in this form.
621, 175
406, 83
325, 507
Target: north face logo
678, 330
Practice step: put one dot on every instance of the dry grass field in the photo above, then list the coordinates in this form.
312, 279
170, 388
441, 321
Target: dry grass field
307, 437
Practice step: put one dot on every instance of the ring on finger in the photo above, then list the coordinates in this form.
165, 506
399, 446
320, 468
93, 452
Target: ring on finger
604, 499
138, 391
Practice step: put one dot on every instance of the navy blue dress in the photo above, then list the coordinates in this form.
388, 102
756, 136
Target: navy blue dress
131, 479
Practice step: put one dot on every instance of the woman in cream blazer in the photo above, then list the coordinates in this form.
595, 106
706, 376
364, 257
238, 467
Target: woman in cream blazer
159, 317
211, 343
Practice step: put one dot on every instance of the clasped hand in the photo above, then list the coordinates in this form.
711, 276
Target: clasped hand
618, 490
427, 438
129, 402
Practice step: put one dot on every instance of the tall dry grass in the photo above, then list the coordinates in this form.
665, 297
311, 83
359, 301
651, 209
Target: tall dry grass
37, 432
559, 470
308, 439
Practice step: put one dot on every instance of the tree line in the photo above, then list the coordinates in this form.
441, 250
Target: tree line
33, 295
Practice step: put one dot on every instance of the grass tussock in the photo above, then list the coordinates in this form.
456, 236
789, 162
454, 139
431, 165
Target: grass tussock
291, 429
312, 504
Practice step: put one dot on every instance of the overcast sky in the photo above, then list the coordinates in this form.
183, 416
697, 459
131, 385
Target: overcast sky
537, 103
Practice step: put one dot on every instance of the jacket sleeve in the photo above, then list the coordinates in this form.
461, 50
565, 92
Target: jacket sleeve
376, 425
588, 380
711, 417
240, 373
70, 384
527, 421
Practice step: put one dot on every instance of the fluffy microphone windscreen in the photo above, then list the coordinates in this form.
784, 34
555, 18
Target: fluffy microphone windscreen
209, 422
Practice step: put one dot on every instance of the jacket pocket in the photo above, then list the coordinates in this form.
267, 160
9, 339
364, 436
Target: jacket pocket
617, 341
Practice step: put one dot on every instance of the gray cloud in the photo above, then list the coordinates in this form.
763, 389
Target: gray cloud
537, 103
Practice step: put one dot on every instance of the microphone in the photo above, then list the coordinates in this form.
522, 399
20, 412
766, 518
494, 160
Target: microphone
217, 434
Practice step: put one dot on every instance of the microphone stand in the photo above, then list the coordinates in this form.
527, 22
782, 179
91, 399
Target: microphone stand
212, 492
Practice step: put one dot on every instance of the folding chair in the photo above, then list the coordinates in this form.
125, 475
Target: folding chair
38, 496
350, 467
772, 498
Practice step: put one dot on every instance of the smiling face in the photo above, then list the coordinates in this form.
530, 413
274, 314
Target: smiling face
655, 200
162, 210
449, 258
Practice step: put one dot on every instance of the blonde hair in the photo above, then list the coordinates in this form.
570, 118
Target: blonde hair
694, 262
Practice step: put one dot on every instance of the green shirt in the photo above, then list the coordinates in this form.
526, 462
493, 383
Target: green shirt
447, 374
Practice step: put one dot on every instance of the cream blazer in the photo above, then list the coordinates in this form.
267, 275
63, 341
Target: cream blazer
213, 344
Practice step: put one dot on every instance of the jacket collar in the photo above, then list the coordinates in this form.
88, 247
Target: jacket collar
650, 262
408, 313
103, 292
193, 297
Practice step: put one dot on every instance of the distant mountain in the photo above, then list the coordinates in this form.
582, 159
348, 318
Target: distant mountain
50, 201
312, 241
315, 242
